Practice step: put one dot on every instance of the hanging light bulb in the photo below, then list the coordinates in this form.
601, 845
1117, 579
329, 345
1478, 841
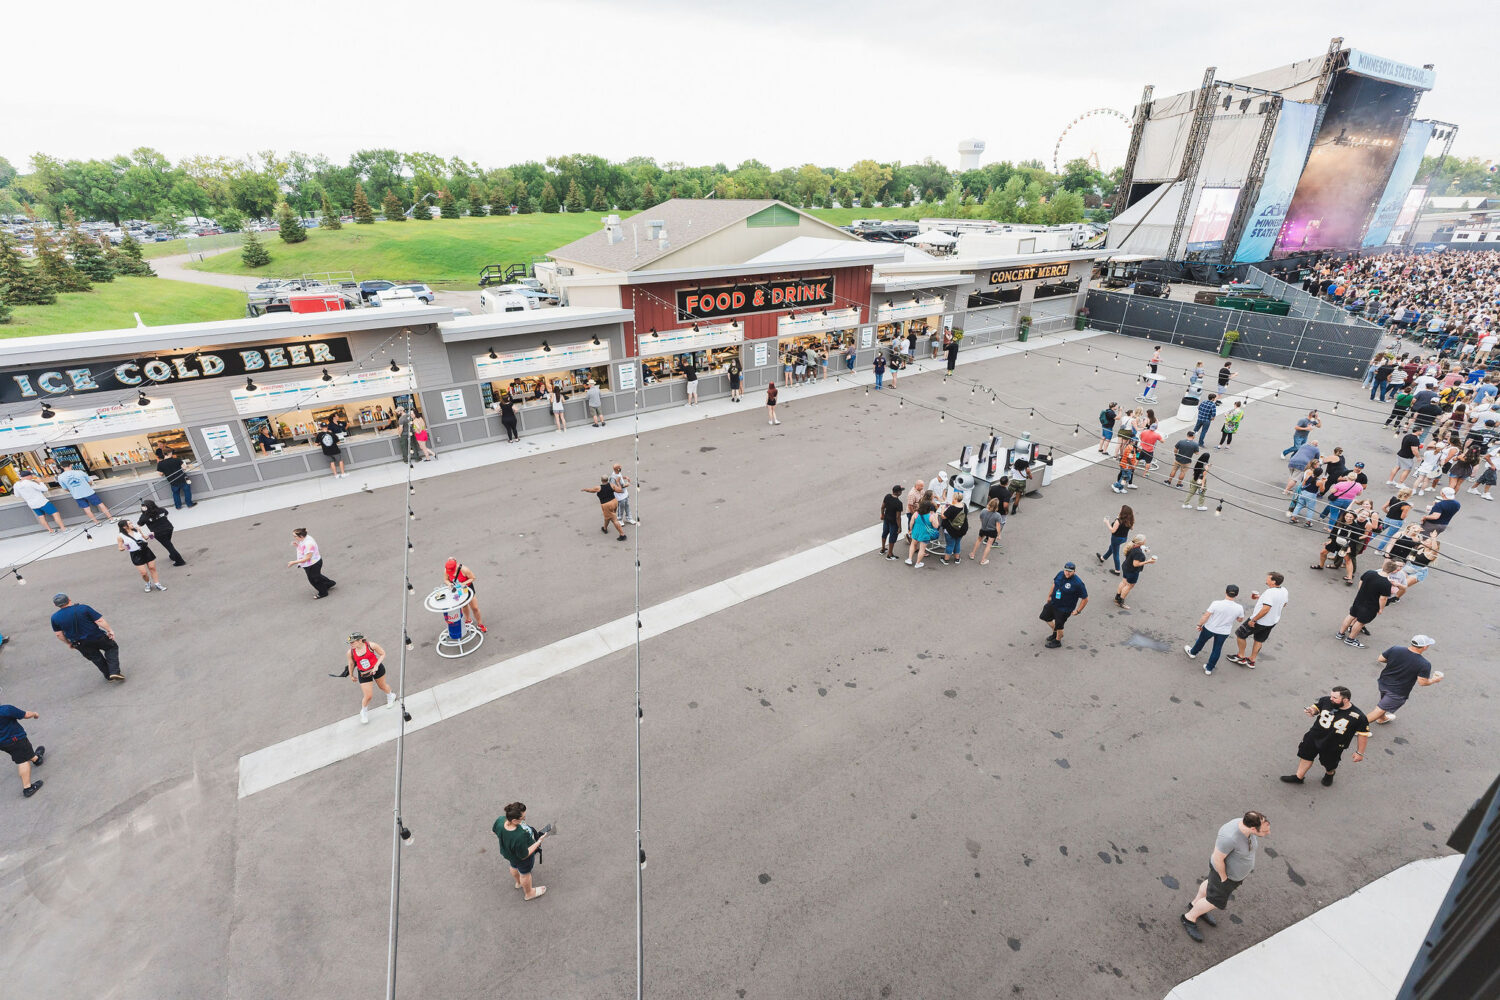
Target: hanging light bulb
993, 397
141, 398
1219, 510
1096, 369
1335, 406
1032, 416
327, 377
942, 418
409, 546
902, 401
249, 384
409, 588
407, 639
20, 580
973, 389
1059, 362
411, 513
1075, 430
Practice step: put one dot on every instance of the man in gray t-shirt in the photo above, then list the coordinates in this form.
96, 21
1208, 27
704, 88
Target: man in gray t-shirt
1232, 860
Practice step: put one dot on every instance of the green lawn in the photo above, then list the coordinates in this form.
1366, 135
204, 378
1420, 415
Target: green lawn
112, 307
444, 252
844, 216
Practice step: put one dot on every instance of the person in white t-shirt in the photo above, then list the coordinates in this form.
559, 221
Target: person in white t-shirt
1262, 620
1215, 625
31, 489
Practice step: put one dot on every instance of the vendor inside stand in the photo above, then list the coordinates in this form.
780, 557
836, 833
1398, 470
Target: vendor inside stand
538, 387
296, 430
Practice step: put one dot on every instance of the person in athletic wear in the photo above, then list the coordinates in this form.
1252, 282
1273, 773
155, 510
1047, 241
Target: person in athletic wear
1267, 612
1136, 559
890, 522
1405, 669
1230, 864
1335, 722
14, 742
991, 522
366, 667
608, 506
1147, 393
519, 844
1215, 625
456, 572
310, 560
1369, 601
1065, 598
80, 627
155, 520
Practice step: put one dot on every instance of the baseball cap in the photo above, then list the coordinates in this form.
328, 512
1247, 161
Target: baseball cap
1448, 493
61, 600
1422, 640
1068, 565
355, 637
450, 568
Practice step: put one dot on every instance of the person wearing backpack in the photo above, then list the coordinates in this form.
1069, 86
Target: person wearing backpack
955, 526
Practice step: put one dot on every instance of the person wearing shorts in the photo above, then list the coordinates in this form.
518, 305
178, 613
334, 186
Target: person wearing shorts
519, 845
1065, 598
366, 667
80, 485
13, 740
1374, 591
735, 380
1268, 608
1405, 669
594, 400
31, 489
1232, 861
991, 523
1107, 418
328, 440
1335, 723
455, 572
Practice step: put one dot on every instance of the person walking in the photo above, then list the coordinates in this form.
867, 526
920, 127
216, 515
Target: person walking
1198, 482
924, 529
455, 572
955, 526
1182, 459
142, 557
559, 417
80, 627
174, 471
991, 522
1340, 495
1195, 378
690, 374
1305, 501
1369, 601
1148, 394
1401, 408
594, 400
1231, 424
1137, 558
155, 520
1066, 598
521, 847
1107, 418
365, 666
31, 489
424, 440
620, 483
1335, 723
1303, 431
608, 506
13, 740
1406, 459
736, 379
80, 486
879, 365
1405, 669
507, 408
328, 441
310, 560
1119, 530
1232, 861
1147, 439
1263, 618
1215, 625
890, 522
1225, 374
1440, 515
1207, 411
771, 402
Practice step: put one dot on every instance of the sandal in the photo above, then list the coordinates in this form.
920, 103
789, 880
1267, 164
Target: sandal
1316, 567
541, 890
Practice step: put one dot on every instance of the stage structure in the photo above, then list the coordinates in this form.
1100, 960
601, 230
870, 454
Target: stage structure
1317, 155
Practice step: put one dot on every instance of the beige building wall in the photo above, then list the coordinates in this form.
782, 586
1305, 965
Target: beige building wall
740, 242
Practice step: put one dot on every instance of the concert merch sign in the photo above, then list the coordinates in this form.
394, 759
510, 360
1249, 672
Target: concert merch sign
35, 383
1030, 272
763, 296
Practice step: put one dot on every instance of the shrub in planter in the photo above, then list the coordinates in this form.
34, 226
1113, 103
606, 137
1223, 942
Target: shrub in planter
1230, 338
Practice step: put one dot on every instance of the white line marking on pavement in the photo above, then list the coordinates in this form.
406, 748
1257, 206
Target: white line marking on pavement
303, 754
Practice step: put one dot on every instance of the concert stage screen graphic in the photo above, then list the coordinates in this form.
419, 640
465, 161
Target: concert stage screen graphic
1350, 163
1211, 219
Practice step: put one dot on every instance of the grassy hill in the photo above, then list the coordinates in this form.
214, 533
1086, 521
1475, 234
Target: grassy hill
113, 306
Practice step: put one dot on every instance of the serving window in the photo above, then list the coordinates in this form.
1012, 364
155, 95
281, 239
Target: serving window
1054, 289
129, 456
538, 387
297, 430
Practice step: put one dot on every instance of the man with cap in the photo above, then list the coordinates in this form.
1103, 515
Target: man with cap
1066, 597
14, 742
1440, 514
1335, 722
31, 489
1404, 669
456, 572
1215, 625
84, 629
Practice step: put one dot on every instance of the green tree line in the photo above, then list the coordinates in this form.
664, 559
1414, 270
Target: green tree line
144, 184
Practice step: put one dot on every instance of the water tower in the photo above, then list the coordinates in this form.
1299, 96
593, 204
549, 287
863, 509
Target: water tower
969, 152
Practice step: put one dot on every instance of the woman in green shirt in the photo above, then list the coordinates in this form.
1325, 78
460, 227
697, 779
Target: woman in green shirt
1231, 424
519, 844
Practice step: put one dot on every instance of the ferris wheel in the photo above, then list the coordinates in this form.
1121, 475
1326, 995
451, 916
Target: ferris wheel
1096, 136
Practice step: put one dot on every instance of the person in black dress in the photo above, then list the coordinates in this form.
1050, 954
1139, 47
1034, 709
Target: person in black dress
155, 520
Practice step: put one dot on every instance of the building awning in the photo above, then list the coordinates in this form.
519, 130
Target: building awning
495, 325
907, 282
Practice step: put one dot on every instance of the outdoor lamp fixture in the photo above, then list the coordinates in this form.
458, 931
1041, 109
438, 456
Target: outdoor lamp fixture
47, 412
327, 377
140, 398
493, 355
395, 368
695, 327
546, 347
825, 312
734, 324
596, 340
654, 334
249, 384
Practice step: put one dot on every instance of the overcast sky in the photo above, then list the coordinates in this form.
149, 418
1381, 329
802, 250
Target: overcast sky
785, 81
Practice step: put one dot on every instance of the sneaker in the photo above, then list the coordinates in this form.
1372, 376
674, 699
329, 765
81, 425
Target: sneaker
1209, 919
776, 422
1202, 507
1208, 671
390, 697
1186, 506
1100, 558
1348, 641
1327, 779
1292, 779
32, 788
1191, 928
1392, 482
41, 755
908, 562
148, 588
1189, 651
1389, 717
1117, 487
1131, 486
620, 538
1114, 571
1248, 663
364, 714
1486, 496
919, 565
890, 557
1052, 643
117, 678
161, 586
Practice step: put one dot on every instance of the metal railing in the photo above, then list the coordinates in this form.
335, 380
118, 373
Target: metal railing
1303, 305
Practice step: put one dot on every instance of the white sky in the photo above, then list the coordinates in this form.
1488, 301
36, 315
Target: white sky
701, 81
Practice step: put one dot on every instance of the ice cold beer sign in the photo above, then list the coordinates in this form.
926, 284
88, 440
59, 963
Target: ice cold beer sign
76, 380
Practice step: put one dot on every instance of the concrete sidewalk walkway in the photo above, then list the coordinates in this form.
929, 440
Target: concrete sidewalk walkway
1359, 948
21, 550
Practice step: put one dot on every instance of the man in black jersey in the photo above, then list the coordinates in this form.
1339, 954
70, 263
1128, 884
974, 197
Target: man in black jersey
1335, 722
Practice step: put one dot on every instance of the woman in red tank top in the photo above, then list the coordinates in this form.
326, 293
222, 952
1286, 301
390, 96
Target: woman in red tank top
367, 669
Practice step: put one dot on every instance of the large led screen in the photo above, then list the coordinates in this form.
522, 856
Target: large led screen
1409, 210
1294, 130
1349, 165
1402, 174
1211, 218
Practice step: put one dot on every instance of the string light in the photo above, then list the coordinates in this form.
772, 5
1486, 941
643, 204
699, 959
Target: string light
943, 417
1075, 430
1219, 510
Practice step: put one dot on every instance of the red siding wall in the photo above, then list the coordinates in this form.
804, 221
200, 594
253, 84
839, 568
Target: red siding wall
655, 305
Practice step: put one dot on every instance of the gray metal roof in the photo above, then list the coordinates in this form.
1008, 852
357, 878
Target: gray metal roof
687, 220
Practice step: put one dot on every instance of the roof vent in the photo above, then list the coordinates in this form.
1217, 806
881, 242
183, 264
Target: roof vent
613, 231
654, 228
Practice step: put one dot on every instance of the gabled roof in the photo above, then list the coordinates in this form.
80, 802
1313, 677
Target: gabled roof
685, 220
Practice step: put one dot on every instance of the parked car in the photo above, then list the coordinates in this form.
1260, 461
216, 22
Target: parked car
269, 285
368, 289
422, 292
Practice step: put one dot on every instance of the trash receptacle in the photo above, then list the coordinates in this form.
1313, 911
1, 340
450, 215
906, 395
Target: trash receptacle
1188, 408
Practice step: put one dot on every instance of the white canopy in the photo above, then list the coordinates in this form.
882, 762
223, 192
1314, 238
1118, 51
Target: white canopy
932, 238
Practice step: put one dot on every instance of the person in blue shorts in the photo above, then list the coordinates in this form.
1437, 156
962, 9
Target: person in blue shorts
80, 486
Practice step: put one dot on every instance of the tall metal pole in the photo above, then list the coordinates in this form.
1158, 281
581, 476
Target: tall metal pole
640, 850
